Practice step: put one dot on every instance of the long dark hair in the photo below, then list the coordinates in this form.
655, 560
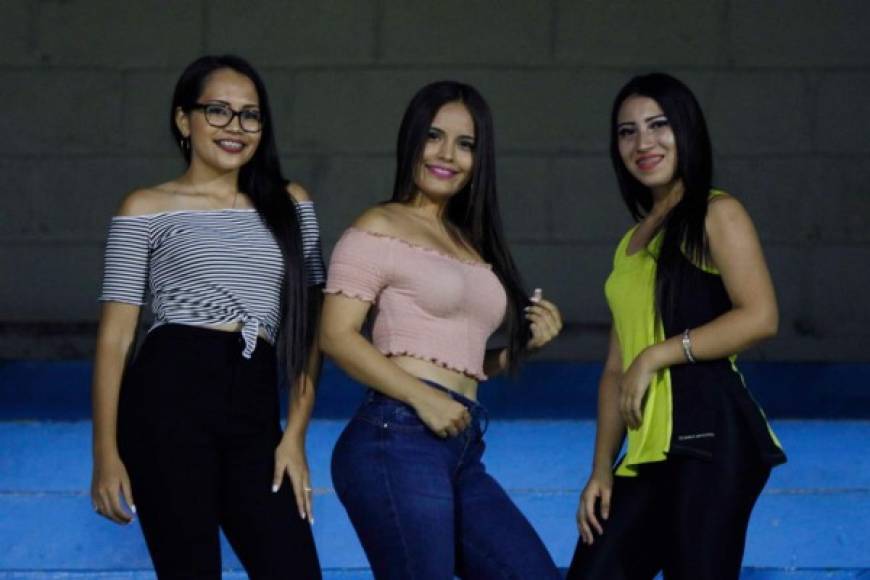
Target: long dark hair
684, 235
474, 210
262, 180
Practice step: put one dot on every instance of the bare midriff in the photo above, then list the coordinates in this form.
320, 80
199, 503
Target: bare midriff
237, 327
453, 380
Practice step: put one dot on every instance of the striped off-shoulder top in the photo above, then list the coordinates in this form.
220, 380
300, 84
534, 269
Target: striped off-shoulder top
206, 267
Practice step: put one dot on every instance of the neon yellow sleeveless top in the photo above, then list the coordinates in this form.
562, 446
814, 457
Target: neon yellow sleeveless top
630, 294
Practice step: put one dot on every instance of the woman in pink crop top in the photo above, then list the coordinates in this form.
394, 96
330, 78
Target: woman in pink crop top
433, 270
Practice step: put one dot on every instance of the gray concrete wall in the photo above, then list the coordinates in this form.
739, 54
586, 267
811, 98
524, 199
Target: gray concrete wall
85, 86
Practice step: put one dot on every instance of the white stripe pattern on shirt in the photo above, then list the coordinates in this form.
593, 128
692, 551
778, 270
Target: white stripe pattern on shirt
206, 267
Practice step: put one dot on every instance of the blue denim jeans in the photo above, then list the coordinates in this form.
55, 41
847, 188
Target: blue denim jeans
424, 507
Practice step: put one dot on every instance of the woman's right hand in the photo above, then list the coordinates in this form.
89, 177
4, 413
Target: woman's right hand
443, 415
108, 483
598, 490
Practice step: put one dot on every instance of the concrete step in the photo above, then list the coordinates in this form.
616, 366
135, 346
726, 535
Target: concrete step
813, 520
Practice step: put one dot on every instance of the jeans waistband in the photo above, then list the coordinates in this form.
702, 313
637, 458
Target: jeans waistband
478, 412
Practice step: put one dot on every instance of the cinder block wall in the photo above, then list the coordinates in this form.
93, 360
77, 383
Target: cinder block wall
85, 88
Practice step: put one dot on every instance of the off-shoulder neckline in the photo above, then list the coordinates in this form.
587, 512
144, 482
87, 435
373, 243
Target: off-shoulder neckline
202, 211
422, 248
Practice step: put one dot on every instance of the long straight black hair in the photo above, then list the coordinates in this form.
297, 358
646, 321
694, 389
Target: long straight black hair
474, 210
684, 235
262, 180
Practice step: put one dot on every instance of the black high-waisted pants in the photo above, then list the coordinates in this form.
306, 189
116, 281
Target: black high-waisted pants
685, 516
197, 429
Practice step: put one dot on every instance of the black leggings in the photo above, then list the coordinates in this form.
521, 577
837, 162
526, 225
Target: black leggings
684, 516
197, 429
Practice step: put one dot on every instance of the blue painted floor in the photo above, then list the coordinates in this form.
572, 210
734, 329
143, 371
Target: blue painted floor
813, 520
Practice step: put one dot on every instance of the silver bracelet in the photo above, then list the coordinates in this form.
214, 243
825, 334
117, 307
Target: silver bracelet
687, 346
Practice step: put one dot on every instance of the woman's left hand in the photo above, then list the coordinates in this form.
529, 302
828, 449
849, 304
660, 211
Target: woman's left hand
545, 321
633, 388
290, 459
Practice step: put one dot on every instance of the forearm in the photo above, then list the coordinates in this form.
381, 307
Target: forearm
610, 427
105, 390
301, 398
728, 334
363, 362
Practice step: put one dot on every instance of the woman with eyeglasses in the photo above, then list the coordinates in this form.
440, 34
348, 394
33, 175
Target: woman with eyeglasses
689, 290
189, 425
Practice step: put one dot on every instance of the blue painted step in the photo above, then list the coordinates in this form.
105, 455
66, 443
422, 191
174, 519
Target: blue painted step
814, 517
530, 455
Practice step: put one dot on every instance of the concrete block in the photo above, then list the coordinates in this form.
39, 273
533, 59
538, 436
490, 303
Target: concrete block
75, 198
16, 30
838, 200
302, 169
625, 33
791, 276
350, 111
549, 110
839, 292
461, 31
16, 205
281, 86
804, 33
344, 187
293, 33
147, 103
777, 192
842, 112
586, 203
570, 275
128, 34
61, 111
752, 113
50, 281
525, 197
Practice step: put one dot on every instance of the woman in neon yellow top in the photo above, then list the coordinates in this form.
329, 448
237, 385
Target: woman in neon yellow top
689, 289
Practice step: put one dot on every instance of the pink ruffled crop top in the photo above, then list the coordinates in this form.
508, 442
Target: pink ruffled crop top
429, 305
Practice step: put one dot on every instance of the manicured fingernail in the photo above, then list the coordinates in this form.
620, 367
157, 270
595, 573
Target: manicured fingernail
302, 515
312, 521
536, 295
133, 508
274, 488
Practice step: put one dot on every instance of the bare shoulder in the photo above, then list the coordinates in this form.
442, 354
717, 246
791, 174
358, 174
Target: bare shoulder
379, 219
297, 192
728, 222
144, 201
725, 209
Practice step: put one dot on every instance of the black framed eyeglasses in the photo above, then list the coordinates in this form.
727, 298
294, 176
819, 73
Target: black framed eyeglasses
219, 115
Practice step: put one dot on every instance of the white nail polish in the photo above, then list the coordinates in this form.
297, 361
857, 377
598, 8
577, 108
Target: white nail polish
133, 508
274, 488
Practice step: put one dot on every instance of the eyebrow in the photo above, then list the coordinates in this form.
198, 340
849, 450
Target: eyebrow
646, 120
440, 130
222, 102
